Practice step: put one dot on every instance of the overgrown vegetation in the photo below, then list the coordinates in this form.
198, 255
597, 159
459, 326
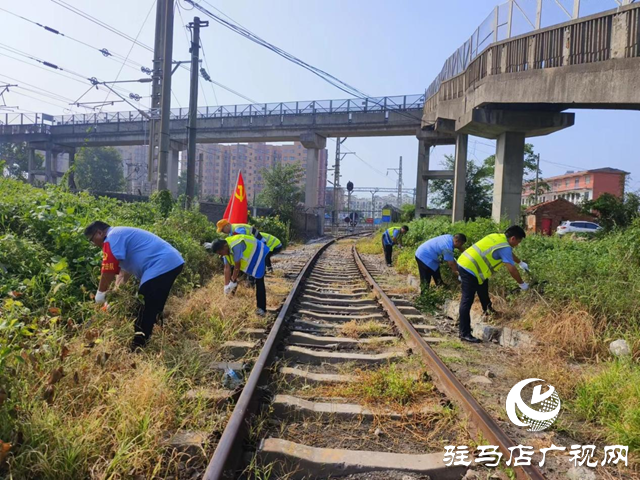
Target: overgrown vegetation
74, 402
585, 295
99, 169
282, 189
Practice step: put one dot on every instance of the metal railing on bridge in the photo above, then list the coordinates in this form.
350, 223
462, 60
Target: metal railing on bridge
313, 107
514, 18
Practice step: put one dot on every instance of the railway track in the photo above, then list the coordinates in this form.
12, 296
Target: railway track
346, 387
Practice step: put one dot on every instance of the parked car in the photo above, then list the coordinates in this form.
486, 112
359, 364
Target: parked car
577, 227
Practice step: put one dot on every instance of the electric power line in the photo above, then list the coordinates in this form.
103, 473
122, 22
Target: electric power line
103, 51
100, 23
237, 28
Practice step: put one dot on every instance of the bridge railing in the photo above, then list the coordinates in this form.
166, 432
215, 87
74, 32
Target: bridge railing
313, 107
613, 34
514, 18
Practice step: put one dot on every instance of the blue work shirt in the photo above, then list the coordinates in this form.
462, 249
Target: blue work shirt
141, 253
505, 254
387, 239
237, 252
430, 251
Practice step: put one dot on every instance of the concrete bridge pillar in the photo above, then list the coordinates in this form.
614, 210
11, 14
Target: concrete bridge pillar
31, 165
172, 172
460, 177
313, 143
48, 164
422, 184
72, 174
507, 187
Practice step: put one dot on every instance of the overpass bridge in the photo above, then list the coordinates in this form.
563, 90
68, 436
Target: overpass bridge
309, 122
520, 87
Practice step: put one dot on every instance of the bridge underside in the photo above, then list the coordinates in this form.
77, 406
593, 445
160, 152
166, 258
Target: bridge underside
522, 87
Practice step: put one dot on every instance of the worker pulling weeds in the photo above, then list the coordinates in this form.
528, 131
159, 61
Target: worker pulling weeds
476, 265
246, 254
126, 251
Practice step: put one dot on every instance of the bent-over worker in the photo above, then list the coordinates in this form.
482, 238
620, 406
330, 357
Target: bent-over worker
247, 255
390, 237
477, 263
275, 247
231, 229
153, 261
429, 253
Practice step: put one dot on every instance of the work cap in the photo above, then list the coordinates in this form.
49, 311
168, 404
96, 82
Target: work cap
221, 224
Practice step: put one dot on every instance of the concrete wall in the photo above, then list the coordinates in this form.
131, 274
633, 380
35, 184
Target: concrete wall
307, 225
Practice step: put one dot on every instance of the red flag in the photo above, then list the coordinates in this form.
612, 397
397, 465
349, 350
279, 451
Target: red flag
238, 208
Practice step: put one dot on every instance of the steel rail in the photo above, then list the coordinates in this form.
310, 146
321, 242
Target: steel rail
445, 378
229, 450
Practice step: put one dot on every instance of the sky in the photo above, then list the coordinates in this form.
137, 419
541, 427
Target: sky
380, 47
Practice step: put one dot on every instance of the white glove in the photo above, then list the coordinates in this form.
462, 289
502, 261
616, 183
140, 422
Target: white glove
230, 288
524, 286
524, 266
207, 245
459, 279
101, 297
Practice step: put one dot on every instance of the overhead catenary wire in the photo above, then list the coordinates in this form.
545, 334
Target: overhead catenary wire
136, 41
100, 23
133, 44
51, 67
237, 28
106, 53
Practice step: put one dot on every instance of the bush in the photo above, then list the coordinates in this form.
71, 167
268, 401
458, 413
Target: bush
273, 226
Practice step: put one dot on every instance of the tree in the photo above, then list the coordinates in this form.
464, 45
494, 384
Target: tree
16, 160
478, 192
530, 167
614, 211
408, 212
182, 184
282, 191
479, 183
99, 169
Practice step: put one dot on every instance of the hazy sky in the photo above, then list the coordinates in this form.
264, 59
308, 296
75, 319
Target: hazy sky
380, 47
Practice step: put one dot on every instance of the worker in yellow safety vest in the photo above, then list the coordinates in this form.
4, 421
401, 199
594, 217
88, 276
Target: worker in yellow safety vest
391, 237
275, 247
476, 265
237, 229
248, 255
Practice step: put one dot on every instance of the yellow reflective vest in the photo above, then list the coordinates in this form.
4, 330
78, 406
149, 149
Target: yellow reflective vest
253, 257
271, 241
478, 258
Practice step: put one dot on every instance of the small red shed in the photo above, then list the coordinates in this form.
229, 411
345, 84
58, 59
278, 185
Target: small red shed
545, 217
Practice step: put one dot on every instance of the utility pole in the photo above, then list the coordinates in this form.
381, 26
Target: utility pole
161, 92
373, 205
399, 172
537, 175
336, 179
165, 104
193, 107
156, 91
200, 175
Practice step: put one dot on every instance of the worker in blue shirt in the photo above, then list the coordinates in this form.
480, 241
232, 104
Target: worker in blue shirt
126, 251
391, 237
428, 257
246, 254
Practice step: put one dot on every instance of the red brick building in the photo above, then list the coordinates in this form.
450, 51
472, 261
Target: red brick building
545, 217
578, 187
